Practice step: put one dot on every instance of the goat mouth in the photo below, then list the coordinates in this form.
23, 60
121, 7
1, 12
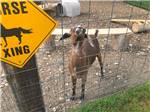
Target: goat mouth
79, 38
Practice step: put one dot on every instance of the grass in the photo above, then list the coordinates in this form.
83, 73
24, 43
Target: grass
139, 3
136, 99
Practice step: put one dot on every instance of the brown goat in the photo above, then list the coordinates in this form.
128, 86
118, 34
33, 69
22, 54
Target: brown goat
83, 54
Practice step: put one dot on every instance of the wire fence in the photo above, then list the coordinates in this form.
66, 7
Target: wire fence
123, 68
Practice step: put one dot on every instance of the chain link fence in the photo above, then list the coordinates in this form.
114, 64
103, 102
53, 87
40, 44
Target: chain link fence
122, 68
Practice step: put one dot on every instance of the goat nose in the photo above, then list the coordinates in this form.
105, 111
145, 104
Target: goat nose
78, 31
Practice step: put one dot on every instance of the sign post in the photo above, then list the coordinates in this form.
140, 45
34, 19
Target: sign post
24, 27
25, 86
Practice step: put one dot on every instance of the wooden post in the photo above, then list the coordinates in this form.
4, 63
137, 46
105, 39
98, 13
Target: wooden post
120, 42
25, 86
50, 44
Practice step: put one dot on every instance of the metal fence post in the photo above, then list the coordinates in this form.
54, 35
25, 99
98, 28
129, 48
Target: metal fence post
25, 85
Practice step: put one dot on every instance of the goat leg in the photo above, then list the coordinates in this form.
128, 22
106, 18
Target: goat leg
100, 63
83, 89
74, 81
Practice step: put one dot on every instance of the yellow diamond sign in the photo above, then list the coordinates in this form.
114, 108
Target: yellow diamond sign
24, 27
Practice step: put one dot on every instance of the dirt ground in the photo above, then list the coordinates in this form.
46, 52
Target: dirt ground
122, 69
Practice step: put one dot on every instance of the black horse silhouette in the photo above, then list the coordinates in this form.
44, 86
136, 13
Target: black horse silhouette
13, 32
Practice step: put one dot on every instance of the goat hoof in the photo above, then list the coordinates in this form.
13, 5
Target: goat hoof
81, 98
102, 76
72, 98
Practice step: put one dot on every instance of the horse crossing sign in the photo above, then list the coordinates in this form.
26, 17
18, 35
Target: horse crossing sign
24, 27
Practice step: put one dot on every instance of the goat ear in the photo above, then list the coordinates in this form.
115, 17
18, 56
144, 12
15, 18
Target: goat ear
84, 30
66, 35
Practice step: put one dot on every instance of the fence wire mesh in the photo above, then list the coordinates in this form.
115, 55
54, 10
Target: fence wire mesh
123, 68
